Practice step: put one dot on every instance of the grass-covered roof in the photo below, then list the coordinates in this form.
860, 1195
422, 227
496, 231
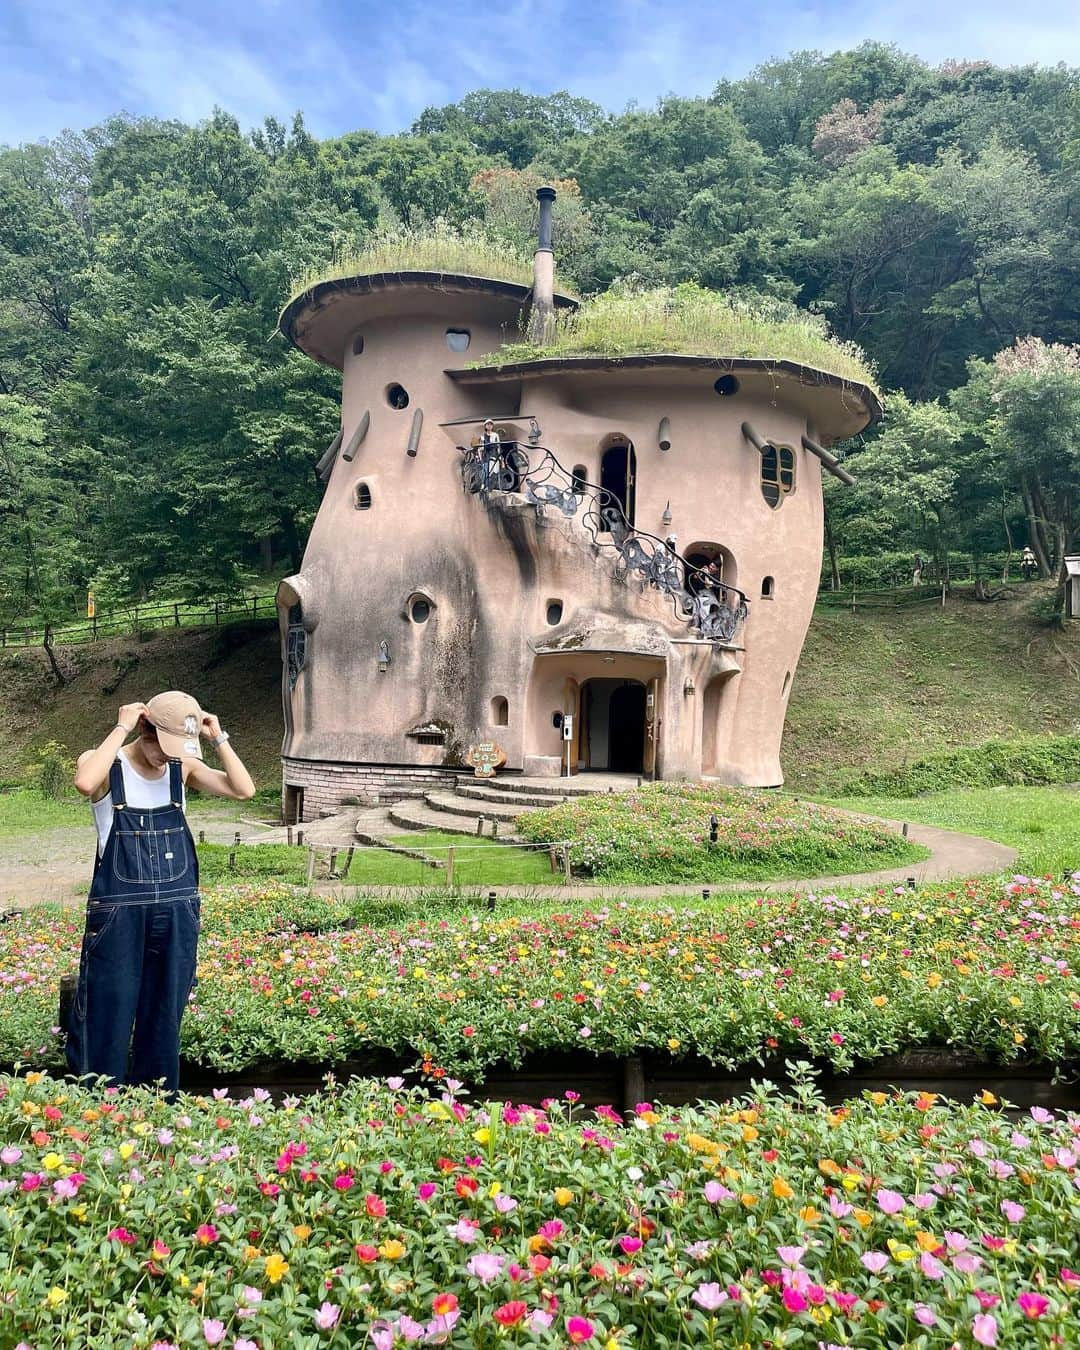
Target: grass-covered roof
687, 320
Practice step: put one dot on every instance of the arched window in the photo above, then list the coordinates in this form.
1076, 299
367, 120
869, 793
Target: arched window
363, 497
358, 344
618, 480
700, 555
554, 612
458, 339
578, 480
777, 473
295, 644
768, 588
500, 711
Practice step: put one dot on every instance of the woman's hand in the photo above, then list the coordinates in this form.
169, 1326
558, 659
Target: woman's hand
211, 727
129, 715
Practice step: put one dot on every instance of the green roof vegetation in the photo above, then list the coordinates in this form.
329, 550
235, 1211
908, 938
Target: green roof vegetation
438, 248
689, 320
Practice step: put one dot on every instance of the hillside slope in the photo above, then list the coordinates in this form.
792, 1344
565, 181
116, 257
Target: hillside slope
875, 688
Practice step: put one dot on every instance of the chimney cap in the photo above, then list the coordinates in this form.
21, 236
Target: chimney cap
545, 194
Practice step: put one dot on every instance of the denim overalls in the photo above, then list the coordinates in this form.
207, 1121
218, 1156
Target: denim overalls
138, 951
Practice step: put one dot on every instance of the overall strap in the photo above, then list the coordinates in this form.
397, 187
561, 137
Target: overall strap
176, 783
116, 784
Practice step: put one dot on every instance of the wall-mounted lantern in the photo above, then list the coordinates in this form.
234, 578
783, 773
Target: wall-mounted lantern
666, 517
384, 656
689, 688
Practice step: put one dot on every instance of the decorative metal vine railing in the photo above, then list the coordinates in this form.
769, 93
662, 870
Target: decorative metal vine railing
708, 606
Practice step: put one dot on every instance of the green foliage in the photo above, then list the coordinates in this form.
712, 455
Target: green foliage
53, 771
626, 320
662, 832
1037, 759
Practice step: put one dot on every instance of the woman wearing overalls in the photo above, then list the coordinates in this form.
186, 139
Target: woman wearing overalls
142, 915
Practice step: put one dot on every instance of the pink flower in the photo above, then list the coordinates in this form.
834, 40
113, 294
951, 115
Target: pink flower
485, 1266
464, 1230
891, 1202
985, 1329
967, 1263
875, 1262
122, 1235
708, 1296
924, 1315
244, 1344
206, 1234
794, 1301
426, 1190
327, 1316
1033, 1305
505, 1204
714, 1192
213, 1330
10, 1155
631, 1245
1041, 1116
579, 1329
1012, 1211
552, 1229
845, 1302
31, 1181
931, 1267
791, 1256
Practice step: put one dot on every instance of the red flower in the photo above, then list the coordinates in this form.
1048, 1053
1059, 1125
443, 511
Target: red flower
374, 1204
442, 1304
510, 1314
122, 1235
366, 1253
205, 1234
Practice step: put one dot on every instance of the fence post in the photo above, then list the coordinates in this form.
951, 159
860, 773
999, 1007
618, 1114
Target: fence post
216, 613
254, 605
450, 867
310, 863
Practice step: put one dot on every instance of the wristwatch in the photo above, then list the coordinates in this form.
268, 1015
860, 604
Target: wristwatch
220, 740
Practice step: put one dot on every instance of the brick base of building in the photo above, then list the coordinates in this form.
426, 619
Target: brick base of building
326, 787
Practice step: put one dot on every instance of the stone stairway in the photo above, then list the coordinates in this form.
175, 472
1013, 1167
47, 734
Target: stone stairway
475, 806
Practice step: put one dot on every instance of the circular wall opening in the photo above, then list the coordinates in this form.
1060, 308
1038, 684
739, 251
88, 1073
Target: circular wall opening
726, 386
419, 609
397, 396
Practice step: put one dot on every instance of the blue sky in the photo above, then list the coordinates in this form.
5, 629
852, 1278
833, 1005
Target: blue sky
378, 63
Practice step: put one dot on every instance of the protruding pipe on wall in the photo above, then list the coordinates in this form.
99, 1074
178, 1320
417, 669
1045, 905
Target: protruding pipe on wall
758, 442
830, 462
414, 433
663, 437
327, 458
356, 438
543, 294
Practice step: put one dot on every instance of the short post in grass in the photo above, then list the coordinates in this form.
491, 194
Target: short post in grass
288, 835
333, 862
232, 860
450, 866
494, 829
202, 836
633, 1082
236, 838
310, 863
491, 901
566, 860
714, 829
348, 864
905, 827
479, 826
553, 858
299, 838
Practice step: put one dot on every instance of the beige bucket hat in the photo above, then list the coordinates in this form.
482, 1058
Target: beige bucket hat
177, 719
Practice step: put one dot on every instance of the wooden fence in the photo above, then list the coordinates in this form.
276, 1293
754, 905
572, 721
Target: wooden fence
143, 619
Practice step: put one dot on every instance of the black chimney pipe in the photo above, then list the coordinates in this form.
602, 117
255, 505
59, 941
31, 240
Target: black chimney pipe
545, 196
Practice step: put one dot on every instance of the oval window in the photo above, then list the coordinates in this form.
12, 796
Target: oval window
458, 339
554, 612
363, 497
726, 386
419, 609
397, 396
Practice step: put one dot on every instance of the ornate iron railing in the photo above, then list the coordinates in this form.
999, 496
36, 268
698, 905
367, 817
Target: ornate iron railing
707, 604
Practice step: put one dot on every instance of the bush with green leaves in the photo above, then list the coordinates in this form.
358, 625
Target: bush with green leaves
1031, 761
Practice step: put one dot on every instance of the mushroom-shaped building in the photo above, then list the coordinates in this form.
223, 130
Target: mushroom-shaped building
617, 574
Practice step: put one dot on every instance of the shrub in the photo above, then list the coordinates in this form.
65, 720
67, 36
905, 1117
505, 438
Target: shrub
661, 833
53, 771
1028, 762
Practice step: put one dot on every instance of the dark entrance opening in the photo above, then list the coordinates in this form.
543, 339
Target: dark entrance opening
293, 805
618, 472
613, 725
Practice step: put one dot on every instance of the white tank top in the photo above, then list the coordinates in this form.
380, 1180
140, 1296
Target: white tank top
138, 791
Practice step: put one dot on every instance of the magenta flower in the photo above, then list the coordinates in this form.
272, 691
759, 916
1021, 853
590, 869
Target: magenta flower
1033, 1305
327, 1316
794, 1302
579, 1329
984, 1329
631, 1245
426, 1190
708, 1296
124, 1236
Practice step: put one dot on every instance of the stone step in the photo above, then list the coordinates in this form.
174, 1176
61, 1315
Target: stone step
487, 793
580, 785
413, 816
453, 805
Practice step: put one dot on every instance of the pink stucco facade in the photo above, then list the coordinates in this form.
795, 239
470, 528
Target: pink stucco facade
426, 618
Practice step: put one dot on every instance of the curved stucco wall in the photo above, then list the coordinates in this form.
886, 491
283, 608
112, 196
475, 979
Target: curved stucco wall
490, 568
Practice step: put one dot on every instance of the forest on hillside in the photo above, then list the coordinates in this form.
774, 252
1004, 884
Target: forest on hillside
158, 437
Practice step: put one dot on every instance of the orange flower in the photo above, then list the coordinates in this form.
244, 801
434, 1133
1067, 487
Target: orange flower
781, 1189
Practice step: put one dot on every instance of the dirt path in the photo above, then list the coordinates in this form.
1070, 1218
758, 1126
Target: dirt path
55, 865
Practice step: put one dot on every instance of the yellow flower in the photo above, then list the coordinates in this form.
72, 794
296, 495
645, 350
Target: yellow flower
850, 1183
879, 1001
276, 1268
126, 1149
55, 1296
250, 1252
899, 1251
749, 1134
482, 1135
184, 1281
1015, 1002
392, 1250
673, 1043
52, 1161
748, 1200
933, 980
33, 1079
781, 1189
809, 1214
563, 1195
987, 1097
302, 1231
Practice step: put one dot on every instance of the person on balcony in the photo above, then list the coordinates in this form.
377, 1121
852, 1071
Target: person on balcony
490, 456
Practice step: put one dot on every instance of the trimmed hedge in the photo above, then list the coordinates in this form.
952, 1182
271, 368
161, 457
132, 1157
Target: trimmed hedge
1031, 761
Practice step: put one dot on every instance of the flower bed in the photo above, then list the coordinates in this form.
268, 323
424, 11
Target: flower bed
988, 967
661, 833
377, 1216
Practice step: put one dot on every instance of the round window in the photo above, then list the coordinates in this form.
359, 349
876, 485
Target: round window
726, 386
420, 609
397, 396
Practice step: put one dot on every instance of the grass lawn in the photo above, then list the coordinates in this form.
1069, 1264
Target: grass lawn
1042, 822
477, 862
24, 812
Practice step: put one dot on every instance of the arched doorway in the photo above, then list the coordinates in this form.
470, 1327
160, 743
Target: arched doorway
613, 725
699, 555
618, 475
